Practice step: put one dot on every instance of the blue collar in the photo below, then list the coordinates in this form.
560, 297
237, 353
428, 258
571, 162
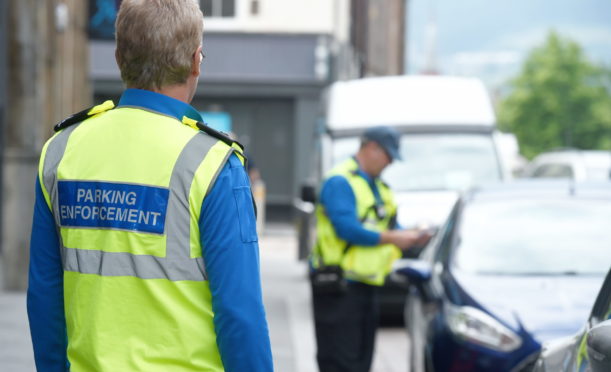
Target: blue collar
159, 103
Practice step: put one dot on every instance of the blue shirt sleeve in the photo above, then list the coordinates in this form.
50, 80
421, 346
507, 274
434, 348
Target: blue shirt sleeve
231, 254
45, 297
339, 202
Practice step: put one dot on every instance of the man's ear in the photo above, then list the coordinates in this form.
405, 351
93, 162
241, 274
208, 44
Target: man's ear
196, 62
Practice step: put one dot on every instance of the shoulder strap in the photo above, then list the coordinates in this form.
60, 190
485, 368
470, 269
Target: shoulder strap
377, 196
220, 136
237, 147
83, 115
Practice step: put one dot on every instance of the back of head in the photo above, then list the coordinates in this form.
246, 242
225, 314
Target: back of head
156, 40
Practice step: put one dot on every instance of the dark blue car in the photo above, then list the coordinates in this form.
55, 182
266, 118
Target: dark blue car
515, 265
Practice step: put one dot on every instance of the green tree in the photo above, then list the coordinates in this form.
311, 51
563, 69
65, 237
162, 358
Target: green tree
560, 99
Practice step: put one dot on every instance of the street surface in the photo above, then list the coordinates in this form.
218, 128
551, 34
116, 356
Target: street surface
287, 302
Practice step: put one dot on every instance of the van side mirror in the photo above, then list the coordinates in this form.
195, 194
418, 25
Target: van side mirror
599, 347
308, 193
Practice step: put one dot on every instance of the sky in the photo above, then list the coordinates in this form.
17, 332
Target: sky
490, 39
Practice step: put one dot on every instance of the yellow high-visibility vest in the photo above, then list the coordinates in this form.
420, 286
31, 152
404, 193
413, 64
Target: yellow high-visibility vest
368, 265
136, 295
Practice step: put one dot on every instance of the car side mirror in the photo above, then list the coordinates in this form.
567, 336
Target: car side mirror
416, 273
599, 347
308, 193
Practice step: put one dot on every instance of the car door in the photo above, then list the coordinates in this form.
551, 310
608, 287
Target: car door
600, 312
420, 311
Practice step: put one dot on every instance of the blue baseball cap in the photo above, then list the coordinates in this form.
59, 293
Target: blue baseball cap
387, 138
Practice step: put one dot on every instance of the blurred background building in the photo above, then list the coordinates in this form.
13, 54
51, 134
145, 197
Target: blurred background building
46, 78
3, 40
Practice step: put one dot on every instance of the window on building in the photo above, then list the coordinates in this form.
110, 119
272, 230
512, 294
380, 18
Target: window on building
218, 8
102, 15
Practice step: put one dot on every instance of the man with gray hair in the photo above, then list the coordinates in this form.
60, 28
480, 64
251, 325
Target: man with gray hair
144, 253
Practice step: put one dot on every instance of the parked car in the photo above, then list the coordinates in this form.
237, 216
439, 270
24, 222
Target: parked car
580, 165
515, 265
589, 349
449, 141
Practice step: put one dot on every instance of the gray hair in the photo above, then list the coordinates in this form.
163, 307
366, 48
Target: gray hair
156, 41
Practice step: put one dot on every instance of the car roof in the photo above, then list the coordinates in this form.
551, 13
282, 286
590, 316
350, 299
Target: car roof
540, 189
593, 158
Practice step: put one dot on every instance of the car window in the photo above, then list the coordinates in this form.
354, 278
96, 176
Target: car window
435, 161
553, 171
447, 232
540, 237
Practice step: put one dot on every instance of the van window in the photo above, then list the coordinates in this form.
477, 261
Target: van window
435, 161
553, 171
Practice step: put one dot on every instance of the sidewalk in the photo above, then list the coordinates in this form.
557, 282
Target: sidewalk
15, 343
287, 301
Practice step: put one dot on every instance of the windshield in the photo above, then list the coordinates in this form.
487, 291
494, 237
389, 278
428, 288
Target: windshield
542, 237
435, 161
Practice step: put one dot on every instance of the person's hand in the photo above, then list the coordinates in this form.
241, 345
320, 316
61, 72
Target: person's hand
401, 238
424, 236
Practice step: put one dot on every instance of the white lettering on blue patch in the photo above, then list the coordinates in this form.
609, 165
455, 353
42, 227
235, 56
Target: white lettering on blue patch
108, 205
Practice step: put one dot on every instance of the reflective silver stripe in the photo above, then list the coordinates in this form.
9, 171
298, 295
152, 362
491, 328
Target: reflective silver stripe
54, 154
126, 264
178, 218
178, 264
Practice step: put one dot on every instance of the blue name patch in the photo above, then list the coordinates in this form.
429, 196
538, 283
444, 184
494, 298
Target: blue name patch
112, 206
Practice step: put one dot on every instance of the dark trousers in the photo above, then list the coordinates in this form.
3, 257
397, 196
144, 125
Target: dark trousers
345, 328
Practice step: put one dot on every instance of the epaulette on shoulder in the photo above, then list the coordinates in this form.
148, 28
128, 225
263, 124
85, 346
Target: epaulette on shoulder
83, 115
219, 135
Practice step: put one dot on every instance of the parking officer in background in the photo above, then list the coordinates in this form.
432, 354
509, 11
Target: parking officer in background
144, 253
356, 235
